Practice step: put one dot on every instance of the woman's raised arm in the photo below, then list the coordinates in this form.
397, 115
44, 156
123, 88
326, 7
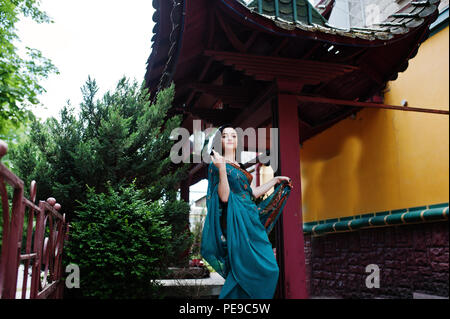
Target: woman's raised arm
261, 190
224, 188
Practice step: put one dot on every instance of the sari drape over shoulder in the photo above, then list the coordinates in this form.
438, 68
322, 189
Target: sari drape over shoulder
244, 254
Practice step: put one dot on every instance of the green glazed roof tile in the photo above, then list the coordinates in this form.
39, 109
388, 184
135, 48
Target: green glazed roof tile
347, 218
438, 205
377, 220
404, 210
358, 223
435, 212
286, 10
323, 228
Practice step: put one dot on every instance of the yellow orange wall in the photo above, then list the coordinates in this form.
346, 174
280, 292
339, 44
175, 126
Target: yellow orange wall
385, 159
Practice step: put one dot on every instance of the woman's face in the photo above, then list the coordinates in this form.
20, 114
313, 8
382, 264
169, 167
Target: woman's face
229, 139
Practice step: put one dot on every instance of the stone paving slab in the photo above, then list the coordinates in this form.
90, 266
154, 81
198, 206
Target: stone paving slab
193, 287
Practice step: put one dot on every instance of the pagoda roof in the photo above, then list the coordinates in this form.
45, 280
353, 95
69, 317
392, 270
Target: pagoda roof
228, 52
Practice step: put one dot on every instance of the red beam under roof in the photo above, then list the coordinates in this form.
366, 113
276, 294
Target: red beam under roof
303, 98
307, 71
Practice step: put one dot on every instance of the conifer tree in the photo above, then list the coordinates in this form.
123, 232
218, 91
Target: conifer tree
117, 140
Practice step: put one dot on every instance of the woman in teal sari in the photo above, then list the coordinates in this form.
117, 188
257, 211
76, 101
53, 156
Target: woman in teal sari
235, 234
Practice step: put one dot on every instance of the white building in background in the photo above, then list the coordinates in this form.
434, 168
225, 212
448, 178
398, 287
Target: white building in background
364, 13
198, 212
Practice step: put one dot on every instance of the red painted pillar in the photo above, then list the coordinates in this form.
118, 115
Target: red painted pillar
258, 174
293, 242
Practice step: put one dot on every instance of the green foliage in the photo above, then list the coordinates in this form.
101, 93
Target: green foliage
113, 142
119, 243
117, 139
197, 237
19, 78
176, 213
13, 135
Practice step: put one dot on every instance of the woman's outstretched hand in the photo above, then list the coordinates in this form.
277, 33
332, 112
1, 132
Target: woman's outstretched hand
218, 160
280, 179
262, 189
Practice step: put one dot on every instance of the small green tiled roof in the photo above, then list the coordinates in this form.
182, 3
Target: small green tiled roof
288, 10
419, 214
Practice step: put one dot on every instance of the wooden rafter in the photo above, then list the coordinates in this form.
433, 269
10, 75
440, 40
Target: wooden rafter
352, 56
281, 62
237, 44
311, 51
280, 47
250, 40
215, 115
255, 107
237, 96
271, 68
211, 29
200, 78
303, 122
373, 74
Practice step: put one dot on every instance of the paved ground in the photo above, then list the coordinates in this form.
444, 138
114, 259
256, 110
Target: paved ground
193, 287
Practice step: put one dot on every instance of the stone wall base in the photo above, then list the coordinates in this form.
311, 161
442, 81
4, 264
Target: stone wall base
411, 259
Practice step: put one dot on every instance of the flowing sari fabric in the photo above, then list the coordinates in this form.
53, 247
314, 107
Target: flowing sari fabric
244, 254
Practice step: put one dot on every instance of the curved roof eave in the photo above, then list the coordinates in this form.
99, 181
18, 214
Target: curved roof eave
175, 10
414, 15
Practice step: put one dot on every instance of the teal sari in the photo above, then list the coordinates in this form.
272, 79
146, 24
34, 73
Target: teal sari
242, 254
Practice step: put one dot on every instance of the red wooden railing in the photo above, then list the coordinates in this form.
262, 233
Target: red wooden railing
33, 237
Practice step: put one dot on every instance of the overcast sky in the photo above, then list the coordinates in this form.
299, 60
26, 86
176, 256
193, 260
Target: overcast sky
102, 38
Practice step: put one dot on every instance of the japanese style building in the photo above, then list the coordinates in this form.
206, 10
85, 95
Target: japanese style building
280, 64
